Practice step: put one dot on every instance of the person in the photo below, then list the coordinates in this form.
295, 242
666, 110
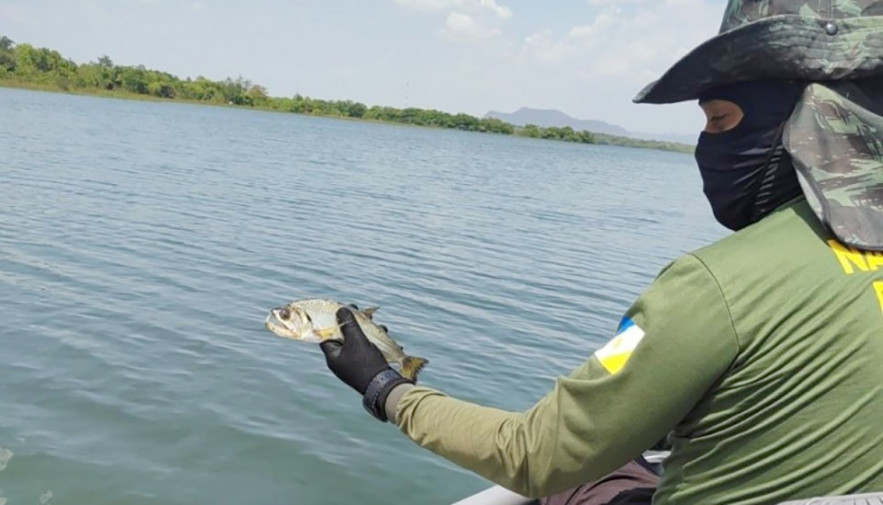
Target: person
757, 358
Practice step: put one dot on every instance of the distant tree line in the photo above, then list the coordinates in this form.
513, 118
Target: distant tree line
26, 65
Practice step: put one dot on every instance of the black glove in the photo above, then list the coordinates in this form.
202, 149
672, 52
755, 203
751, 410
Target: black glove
361, 365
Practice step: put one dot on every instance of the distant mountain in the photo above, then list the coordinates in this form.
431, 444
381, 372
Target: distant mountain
551, 117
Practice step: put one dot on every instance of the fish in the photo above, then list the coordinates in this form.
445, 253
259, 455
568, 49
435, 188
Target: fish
315, 320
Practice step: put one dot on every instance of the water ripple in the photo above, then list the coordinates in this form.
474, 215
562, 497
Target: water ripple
141, 245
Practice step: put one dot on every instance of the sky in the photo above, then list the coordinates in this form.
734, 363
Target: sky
587, 58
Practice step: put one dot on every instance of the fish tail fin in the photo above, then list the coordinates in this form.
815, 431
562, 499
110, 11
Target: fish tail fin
411, 366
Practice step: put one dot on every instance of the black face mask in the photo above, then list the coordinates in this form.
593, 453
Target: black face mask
746, 172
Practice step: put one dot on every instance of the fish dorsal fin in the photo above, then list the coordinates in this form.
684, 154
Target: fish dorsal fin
369, 312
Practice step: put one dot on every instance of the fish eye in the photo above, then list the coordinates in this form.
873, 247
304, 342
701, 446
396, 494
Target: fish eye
285, 314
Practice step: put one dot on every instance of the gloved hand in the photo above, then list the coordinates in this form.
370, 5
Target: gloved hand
361, 365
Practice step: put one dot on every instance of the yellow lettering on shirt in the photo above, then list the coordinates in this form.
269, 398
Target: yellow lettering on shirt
878, 287
875, 260
850, 258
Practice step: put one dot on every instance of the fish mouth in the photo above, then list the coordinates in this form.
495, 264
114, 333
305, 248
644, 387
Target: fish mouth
277, 326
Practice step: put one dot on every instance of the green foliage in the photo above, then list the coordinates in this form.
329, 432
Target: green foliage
47, 69
614, 140
493, 125
566, 134
7, 60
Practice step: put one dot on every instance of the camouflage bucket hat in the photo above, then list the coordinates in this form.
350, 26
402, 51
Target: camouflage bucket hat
835, 138
807, 40
835, 134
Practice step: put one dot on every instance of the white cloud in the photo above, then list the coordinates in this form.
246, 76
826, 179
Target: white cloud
602, 3
463, 26
430, 5
499, 10
465, 19
630, 42
458, 22
594, 67
195, 6
541, 47
591, 68
490, 6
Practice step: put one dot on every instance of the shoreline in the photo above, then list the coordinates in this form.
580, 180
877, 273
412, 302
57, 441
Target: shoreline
600, 139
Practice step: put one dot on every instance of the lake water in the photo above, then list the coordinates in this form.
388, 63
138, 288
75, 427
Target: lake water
141, 245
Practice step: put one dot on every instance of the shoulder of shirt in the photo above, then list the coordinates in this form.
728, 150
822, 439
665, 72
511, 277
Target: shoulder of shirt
776, 237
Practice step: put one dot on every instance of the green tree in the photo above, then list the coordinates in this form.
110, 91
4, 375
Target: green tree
24, 62
7, 54
134, 79
531, 130
161, 89
258, 94
355, 109
89, 75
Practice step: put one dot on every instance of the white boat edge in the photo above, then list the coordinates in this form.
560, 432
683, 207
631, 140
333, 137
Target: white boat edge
496, 496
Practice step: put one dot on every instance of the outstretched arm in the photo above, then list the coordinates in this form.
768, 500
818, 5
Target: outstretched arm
674, 344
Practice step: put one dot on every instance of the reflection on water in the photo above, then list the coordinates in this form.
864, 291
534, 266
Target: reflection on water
5, 456
45, 497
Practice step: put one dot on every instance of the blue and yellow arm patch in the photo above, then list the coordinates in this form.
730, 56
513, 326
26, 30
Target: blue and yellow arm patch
616, 353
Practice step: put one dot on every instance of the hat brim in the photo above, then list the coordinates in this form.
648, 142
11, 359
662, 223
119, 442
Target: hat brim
780, 47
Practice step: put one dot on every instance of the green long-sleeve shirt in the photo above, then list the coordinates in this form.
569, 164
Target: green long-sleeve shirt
761, 357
